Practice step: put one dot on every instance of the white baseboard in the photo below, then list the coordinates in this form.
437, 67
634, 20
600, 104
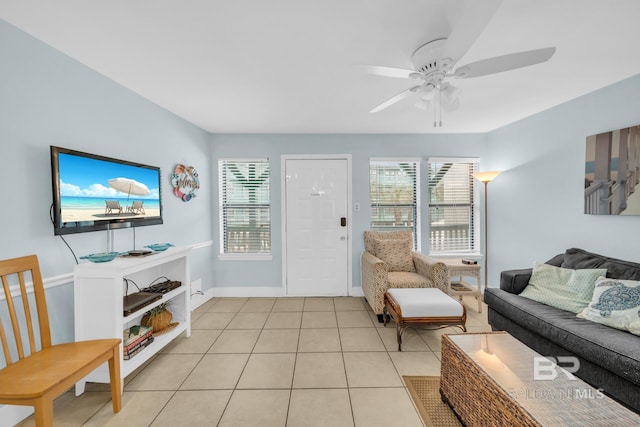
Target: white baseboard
246, 291
227, 292
357, 292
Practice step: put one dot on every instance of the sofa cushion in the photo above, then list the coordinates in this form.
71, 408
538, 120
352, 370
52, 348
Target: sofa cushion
618, 269
615, 303
396, 253
563, 288
612, 349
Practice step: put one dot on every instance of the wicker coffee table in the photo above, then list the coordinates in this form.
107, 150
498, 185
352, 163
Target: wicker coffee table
488, 379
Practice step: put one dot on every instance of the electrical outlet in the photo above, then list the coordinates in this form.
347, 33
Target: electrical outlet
196, 287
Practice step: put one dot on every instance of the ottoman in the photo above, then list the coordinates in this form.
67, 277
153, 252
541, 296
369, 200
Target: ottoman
422, 306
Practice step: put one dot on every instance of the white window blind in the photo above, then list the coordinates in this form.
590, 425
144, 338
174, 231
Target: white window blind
244, 206
393, 192
453, 216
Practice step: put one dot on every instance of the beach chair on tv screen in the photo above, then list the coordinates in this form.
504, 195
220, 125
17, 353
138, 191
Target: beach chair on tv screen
112, 207
136, 207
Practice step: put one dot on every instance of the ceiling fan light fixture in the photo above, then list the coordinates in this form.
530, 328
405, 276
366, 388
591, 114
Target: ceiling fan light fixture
427, 92
449, 92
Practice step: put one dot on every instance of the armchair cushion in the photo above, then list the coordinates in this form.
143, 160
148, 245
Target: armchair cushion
405, 279
370, 236
396, 253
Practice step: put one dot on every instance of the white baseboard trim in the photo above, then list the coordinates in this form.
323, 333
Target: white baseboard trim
246, 291
197, 300
256, 291
357, 292
11, 415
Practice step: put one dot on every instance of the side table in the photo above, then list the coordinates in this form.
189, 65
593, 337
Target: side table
458, 286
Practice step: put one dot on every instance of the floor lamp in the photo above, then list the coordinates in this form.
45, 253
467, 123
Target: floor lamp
486, 178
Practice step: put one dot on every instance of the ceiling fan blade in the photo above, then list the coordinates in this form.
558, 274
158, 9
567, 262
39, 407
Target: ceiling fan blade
400, 73
498, 64
472, 19
399, 97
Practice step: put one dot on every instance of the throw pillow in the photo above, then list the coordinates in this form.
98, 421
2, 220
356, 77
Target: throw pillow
396, 253
563, 288
615, 303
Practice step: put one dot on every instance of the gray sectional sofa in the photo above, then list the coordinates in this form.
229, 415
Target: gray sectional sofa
609, 358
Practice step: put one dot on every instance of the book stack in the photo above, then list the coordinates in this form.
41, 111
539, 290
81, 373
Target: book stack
135, 339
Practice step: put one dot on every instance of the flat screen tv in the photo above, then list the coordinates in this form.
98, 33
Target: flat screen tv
93, 192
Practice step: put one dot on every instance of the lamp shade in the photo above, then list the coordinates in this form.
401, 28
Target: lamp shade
486, 176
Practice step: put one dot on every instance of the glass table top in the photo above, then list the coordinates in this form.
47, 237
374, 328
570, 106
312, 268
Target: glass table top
544, 386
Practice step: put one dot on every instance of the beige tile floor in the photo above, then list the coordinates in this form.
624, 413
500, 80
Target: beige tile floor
274, 362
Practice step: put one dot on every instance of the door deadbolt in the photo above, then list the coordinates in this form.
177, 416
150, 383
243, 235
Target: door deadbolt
343, 221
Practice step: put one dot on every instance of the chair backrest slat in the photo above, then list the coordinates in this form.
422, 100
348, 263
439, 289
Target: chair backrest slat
41, 303
3, 335
27, 312
15, 325
20, 266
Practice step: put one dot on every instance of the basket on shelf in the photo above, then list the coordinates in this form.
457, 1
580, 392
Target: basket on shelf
159, 319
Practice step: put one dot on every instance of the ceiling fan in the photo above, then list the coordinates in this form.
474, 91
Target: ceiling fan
435, 63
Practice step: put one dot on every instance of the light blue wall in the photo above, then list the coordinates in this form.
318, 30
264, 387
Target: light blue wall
361, 147
536, 205
47, 98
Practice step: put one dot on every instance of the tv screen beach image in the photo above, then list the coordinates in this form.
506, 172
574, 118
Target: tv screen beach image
92, 190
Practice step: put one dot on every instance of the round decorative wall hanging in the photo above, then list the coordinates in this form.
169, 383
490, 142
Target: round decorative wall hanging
185, 182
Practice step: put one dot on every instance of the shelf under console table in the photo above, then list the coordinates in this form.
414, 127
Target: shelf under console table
98, 300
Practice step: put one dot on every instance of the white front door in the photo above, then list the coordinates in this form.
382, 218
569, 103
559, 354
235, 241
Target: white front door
316, 225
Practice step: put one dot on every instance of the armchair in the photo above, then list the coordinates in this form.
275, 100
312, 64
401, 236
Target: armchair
388, 262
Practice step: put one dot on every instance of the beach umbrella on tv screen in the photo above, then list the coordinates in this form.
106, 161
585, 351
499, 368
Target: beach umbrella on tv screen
129, 186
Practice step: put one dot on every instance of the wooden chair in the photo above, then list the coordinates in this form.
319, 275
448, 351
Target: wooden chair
43, 371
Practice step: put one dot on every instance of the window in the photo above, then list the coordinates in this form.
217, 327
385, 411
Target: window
453, 216
245, 210
393, 192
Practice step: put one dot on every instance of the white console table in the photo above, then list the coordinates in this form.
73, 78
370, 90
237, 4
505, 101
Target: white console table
98, 292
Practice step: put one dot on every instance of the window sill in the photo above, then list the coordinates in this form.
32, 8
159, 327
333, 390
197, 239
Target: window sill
473, 255
245, 257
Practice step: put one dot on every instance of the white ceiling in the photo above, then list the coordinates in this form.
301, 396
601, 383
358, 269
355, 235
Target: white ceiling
292, 66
